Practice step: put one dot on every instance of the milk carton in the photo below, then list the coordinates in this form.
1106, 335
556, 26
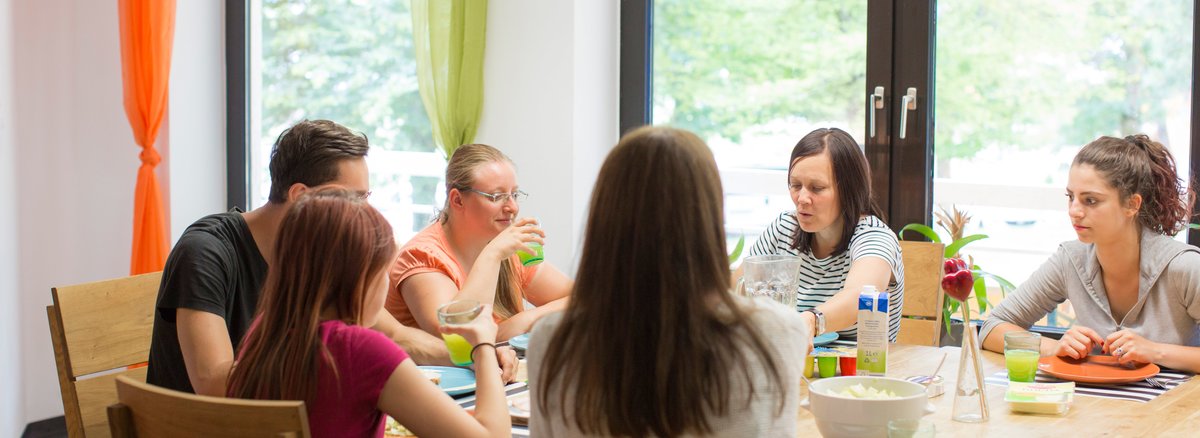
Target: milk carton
872, 332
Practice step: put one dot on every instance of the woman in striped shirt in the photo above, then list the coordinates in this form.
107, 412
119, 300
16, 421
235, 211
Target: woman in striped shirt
837, 230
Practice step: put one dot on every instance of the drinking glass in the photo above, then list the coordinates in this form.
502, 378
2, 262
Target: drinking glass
1021, 353
458, 312
528, 259
776, 277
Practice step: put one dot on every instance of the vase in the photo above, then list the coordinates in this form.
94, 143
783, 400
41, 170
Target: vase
970, 399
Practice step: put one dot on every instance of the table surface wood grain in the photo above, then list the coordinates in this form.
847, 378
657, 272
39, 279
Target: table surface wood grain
1175, 413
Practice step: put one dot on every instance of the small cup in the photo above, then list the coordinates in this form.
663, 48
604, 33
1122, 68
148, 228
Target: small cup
528, 259
1022, 350
827, 365
457, 313
849, 365
809, 363
910, 428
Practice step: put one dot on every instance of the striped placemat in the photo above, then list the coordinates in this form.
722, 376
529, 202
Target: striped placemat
513, 389
1140, 391
843, 343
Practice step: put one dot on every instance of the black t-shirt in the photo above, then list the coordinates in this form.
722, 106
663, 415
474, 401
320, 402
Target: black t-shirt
215, 267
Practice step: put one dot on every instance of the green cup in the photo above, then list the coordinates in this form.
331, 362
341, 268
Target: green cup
458, 312
1022, 350
827, 365
528, 259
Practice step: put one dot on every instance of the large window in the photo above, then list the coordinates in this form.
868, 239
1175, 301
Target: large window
752, 82
350, 61
1023, 85
980, 104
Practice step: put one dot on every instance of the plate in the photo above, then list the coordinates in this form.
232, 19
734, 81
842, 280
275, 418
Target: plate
825, 339
520, 342
455, 381
519, 407
1095, 369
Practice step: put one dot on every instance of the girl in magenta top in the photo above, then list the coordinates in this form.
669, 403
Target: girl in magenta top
310, 341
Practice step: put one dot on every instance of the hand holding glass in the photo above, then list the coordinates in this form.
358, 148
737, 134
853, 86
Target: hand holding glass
458, 313
528, 259
1022, 350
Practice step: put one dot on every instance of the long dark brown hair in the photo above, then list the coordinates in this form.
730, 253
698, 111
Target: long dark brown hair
648, 342
851, 178
460, 175
331, 247
1138, 165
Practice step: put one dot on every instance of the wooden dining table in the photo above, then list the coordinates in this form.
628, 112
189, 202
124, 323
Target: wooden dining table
1174, 413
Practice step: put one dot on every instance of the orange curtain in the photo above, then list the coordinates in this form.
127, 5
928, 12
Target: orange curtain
147, 31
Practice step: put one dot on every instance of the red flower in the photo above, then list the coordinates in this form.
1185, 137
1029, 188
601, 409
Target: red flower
958, 279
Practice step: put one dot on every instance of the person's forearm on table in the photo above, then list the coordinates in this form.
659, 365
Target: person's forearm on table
1178, 357
523, 322
424, 348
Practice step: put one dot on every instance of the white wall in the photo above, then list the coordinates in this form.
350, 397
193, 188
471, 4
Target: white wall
550, 103
11, 403
195, 140
77, 166
76, 172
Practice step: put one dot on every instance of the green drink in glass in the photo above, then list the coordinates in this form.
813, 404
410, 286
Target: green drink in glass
528, 259
1021, 353
457, 313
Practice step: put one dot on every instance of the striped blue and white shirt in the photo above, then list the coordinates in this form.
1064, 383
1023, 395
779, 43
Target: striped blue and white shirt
821, 279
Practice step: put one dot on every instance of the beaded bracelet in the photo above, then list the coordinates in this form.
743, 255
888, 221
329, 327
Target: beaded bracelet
481, 344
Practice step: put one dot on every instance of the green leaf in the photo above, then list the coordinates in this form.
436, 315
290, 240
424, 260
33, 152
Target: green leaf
981, 295
1005, 285
737, 249
920, 228
953, 249
946, 318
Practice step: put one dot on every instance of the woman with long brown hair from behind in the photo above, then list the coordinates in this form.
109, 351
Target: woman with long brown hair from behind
652, 343
311, 339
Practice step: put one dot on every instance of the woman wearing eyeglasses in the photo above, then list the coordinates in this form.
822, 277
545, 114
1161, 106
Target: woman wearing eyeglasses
470, 252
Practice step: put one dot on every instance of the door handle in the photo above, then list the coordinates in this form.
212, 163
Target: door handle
907, 103
876, 104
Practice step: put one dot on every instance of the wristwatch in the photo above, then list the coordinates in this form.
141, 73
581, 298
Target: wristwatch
820, 318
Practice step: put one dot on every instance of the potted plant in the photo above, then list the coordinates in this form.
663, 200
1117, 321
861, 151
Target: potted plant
953, 223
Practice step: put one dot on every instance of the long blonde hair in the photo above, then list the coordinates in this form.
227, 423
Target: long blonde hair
460, 175
642, 344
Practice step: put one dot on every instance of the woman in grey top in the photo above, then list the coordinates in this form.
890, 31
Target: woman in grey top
1135, 291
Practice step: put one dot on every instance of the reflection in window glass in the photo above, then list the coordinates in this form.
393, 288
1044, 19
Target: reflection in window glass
751, 78
1023, 84
350, 61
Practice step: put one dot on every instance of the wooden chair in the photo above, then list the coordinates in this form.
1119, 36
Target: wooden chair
146, 410
921, 318
100, 331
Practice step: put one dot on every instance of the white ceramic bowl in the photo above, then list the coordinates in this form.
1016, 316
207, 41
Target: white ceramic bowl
838, 416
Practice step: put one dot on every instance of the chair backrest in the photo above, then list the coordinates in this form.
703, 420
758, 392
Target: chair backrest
146, 410
921, 318
100, 331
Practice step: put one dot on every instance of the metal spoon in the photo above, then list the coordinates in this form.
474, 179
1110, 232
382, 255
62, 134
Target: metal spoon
935, 370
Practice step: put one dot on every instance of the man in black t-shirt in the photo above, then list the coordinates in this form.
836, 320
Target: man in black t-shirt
213, 276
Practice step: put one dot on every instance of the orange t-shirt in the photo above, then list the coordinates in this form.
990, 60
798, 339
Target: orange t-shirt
429, 251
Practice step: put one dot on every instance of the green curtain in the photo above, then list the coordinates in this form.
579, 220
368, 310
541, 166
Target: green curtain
448, 36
